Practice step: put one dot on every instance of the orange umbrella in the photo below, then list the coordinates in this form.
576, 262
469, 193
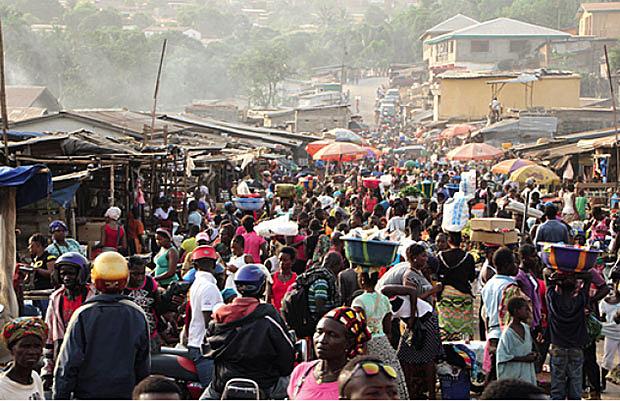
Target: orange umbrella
373, 152
315, 146
340, 152
510, 165
457, 130
474, 151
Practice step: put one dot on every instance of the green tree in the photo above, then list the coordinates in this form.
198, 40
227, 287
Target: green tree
260, 70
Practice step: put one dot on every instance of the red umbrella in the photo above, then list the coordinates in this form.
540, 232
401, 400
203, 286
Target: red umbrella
315, 146
474, 151
457, 130
340, 152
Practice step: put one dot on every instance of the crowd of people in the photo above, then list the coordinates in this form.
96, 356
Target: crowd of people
231, 296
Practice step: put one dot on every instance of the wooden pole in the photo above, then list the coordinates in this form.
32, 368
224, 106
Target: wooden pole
161, 63
613, 107
3, 111
111, 185
165, 134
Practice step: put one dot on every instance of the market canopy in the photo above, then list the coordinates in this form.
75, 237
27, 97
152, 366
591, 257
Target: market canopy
457, 130
345, 135
510, 165
474, 151
33, 182
340, 152
540, 174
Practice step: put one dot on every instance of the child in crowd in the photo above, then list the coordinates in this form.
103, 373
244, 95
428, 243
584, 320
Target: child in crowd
515, 358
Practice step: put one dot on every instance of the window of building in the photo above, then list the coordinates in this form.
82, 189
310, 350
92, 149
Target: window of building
518, 46
479, 46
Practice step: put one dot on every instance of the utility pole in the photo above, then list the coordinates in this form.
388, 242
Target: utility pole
3, 111
153, 110
613, 107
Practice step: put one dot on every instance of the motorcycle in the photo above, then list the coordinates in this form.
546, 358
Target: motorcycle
176, 364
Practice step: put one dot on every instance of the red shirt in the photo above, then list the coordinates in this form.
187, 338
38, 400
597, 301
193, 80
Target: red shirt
278, 289
69, 306
369, 203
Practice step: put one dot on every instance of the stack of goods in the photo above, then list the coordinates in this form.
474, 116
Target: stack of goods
285, 190
494, 231
308, 182
371, 183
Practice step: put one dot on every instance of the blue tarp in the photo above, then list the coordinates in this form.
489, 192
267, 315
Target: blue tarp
23, 134
32, 185
64, 196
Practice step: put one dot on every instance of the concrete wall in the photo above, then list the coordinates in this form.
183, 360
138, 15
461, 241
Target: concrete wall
468, 99
499, 50
315, 120
602, 24
580, 120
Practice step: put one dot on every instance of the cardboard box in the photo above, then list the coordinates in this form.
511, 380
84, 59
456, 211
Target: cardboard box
89, 232
492, 224
500, 238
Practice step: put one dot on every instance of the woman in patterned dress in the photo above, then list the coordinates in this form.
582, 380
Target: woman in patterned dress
456, 303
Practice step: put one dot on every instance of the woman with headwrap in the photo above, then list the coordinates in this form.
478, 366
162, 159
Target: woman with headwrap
113, 235
24, 337
340, 335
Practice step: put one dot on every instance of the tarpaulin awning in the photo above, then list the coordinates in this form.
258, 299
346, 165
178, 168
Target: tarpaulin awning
64, 196
33, 182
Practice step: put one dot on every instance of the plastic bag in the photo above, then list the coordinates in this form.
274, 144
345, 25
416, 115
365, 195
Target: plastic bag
455, 214
467, 186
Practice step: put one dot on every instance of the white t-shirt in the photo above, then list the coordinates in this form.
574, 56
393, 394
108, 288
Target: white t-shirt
611, 329
396, 223
568, 199
204, 296
161, 214
11, 390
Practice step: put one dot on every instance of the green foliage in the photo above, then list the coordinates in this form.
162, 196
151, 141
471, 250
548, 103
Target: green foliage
260, 70
95, 63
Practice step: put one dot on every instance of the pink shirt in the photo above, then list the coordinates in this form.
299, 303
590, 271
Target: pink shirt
310, 389
252, 246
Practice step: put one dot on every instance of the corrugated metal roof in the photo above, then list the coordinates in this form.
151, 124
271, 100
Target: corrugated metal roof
599, 7
459, 21
502, 28
24, 113
23, 96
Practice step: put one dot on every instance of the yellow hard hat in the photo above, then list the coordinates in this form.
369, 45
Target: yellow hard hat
110, 272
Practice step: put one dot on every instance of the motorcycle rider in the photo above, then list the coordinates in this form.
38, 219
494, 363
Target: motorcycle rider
106, 347
71, 270
248, 339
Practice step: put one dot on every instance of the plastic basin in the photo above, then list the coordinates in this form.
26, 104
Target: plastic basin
249, 204
370, 253
568, 258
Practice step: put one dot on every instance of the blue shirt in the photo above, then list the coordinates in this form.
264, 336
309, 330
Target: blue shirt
552, 231
492, 297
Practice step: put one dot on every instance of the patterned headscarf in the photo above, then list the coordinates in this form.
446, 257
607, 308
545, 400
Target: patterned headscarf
354, 322
24, 326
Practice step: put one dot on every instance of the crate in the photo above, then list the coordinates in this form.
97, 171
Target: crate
492, 224
499, 238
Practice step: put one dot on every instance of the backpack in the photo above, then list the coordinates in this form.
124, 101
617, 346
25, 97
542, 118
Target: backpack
295, 308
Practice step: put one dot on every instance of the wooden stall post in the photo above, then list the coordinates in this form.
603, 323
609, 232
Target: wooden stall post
111, 198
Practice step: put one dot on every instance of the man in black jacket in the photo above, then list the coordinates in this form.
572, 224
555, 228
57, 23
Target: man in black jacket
106, 347
248, 340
